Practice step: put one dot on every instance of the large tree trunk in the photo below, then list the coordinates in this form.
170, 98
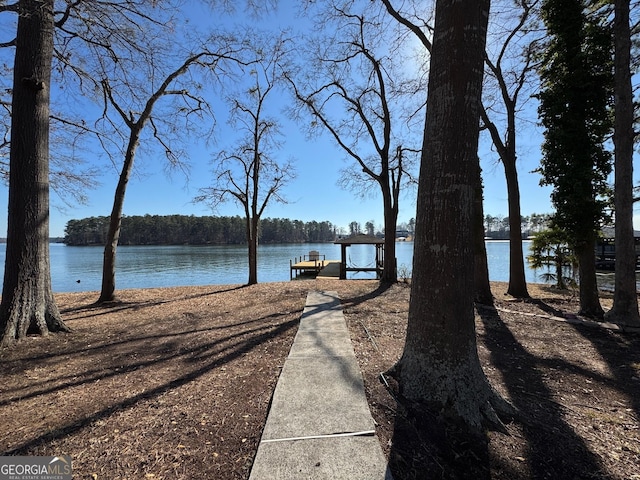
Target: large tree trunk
27, 300
107, 293
589, 298
439, 367
517, 279
625, 299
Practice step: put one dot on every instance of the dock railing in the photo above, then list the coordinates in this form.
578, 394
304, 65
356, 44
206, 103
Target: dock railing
311, 263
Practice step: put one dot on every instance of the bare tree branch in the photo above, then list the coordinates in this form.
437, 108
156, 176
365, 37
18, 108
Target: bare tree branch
249, 172
419, 33
357, 76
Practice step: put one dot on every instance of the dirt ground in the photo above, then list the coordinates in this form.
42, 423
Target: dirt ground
175, 383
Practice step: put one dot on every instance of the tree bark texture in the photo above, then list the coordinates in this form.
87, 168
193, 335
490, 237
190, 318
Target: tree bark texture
625, 298
27, 301
439, 367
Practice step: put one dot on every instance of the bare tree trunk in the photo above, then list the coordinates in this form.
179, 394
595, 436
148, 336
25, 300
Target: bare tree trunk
482, 286
389, 273
27, 300
107, 293
439, 367
517, 279
507, 151
625, 298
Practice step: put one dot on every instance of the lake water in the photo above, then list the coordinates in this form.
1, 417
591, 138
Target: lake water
183, 265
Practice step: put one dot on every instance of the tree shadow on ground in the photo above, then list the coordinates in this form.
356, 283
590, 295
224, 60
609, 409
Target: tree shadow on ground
545, 307
621, 352
104, 308
355, 301
554, 449
160, 349
201, 357
426, 446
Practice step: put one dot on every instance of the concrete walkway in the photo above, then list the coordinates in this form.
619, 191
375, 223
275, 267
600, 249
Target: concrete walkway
319, 425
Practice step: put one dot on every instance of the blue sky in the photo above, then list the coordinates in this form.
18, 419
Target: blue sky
312, 195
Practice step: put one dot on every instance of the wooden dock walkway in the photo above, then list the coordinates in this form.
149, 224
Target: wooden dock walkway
316, 267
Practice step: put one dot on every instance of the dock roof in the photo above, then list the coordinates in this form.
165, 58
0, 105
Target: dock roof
360, 239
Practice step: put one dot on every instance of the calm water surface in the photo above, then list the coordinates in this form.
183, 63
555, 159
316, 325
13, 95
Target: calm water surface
76, 269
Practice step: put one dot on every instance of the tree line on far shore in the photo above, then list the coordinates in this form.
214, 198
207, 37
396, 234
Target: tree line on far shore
195, 230
499, 227
220, 230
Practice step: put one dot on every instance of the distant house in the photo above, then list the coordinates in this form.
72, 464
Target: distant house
402, 234
606, 249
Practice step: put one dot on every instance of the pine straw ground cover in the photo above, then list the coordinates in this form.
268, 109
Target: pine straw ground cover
175, 384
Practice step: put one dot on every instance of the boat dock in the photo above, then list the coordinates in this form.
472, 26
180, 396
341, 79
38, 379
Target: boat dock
314, 265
